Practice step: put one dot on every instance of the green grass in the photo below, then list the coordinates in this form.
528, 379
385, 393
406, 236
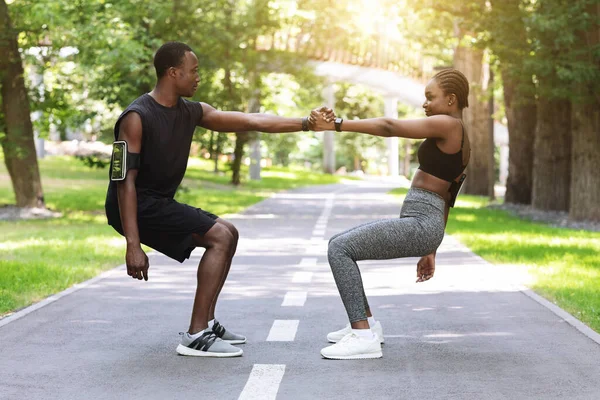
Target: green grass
42, 257
564, 263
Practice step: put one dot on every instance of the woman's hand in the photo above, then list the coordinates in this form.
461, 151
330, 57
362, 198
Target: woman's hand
321, 119
426, 268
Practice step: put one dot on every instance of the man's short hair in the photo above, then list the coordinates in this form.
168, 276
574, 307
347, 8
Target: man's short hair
169, 55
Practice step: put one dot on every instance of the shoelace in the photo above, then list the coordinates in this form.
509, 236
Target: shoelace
348, 338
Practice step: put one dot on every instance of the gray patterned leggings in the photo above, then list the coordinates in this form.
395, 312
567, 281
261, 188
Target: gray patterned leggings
418, 232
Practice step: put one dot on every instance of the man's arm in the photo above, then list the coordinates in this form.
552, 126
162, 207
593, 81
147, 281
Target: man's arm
437, 126
130, 131
232, 121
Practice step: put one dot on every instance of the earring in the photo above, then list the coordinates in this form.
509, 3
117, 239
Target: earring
450, 103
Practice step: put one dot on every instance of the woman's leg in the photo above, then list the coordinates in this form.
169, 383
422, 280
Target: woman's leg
345, 232
380, 240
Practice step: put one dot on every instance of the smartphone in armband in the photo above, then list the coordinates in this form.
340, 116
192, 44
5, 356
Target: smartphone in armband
118, 170
454, 190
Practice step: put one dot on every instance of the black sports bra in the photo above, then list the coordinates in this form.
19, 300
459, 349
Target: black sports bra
439, 164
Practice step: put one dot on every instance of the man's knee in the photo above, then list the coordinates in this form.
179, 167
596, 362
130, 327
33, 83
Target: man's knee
219, 236
234, 232
231, 227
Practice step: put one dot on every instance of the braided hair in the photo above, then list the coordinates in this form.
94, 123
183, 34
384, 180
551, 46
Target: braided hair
451, 81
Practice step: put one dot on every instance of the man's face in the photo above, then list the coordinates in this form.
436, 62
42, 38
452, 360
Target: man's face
186, 75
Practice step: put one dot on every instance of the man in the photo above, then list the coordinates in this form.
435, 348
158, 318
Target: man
157, 131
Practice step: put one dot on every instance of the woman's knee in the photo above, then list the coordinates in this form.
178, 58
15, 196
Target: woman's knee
336, 248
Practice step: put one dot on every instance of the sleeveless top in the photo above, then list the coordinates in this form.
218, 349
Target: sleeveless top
439, 164
166, 140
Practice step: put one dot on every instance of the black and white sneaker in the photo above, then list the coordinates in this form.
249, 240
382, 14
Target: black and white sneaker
228, 336
206, 344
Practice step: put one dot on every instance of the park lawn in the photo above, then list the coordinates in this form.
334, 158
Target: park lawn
564, 263
41, 257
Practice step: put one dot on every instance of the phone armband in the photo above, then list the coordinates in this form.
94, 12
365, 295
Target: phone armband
122, 161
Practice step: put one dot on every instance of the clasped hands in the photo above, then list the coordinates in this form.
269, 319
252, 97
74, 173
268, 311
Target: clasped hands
321, 119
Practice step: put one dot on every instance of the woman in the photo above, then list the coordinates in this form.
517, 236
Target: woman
419, 231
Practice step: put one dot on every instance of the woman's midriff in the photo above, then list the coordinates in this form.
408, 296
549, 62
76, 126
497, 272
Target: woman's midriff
423, 180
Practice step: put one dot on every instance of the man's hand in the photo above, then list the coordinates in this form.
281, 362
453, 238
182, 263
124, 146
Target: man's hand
137, 263
426, 268
321, 119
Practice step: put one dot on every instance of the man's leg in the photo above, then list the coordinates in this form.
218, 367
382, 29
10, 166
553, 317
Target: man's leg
236, 235
218, 242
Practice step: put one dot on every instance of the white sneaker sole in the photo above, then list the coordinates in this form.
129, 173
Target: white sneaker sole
366, 356
186, 351
382, 340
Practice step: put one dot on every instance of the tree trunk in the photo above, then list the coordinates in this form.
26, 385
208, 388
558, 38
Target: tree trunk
552, 155
585, 155
241, 138
477, 120
522, 119
18, 144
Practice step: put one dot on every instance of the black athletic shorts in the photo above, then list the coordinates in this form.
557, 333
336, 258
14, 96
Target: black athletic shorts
166, 225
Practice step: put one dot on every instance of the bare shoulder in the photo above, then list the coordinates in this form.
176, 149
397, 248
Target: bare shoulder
443, 122
131, 121
207, 108
130, 130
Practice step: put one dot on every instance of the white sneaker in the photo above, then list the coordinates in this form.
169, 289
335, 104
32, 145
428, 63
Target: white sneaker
336, 336
354, 347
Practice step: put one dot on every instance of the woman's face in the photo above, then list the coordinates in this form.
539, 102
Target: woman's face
436, 102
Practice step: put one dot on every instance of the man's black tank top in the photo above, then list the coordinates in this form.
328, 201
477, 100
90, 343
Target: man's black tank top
166, 140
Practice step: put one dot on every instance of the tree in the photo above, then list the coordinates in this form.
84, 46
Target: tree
552, 31
585, 179
477, 119
17, 143
509, 43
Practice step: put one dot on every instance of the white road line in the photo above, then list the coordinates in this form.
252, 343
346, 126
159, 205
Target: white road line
318, 232
263, 382
283, 330
316, 238
294, 299
302, 277
308, 262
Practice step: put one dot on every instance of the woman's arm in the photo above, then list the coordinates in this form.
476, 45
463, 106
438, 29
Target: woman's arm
437, 126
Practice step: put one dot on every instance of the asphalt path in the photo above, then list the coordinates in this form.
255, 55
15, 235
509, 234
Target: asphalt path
471, 332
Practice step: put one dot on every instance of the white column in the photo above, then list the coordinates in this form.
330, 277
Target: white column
391, 111
255, 158
503, 163
328, 136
